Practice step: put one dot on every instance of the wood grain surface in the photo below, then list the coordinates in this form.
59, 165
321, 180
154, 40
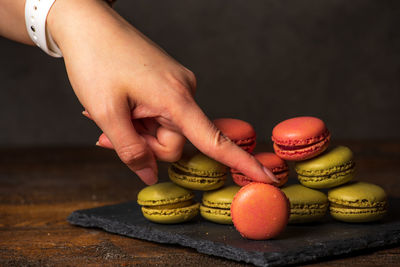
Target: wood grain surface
40, 187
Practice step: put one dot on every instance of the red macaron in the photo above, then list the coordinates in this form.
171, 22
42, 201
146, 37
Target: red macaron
240, 132
260, 211
272, 162
300, 138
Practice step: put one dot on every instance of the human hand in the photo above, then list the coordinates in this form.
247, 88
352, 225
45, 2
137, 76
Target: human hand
136, 93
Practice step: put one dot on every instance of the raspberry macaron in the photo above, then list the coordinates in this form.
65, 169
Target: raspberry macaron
260, 211
272, 162
300, 138
240, 132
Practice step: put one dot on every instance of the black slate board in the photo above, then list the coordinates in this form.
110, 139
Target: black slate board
296, 245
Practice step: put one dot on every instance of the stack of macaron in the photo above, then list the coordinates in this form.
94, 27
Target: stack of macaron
305, 140
258, 210
261, 211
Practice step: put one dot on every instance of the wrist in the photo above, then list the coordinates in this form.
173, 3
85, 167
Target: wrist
68, 19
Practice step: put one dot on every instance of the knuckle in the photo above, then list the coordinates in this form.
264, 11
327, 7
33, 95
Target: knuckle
132, 154
219, 142
191, 77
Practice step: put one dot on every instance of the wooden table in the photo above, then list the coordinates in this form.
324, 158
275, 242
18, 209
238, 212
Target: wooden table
40, 187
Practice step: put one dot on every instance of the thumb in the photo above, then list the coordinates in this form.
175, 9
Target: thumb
131, 147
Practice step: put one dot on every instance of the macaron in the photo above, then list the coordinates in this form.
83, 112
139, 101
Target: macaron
358, 202
198, 172
272, 162
334, 167
240, 132
300, 138
216, 205
260, 211
306, 205
167, 203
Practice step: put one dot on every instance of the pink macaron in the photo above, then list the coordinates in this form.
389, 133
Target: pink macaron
300, 138
272, 162
240, 132
260, 211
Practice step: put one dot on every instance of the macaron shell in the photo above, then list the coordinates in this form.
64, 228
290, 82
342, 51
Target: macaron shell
222, 216
221, 198
200, 165
306, 205
260, 211
162, 194
235, 129
195, 182
330, 162
299, 131
169, 216
358, 195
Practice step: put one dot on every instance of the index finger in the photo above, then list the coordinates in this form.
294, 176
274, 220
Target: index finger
203, 134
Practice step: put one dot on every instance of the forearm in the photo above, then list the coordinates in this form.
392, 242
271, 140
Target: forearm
12, 21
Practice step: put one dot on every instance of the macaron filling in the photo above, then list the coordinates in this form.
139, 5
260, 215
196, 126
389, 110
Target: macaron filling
198, 177
189, 212
357, 214
337, 172
308, 209
181, 169
381, 207
302, 149
247, 144
279, 172
172, 205
215, 211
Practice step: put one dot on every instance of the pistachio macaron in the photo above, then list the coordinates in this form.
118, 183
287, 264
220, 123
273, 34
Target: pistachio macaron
216, 206
358, 202
198, 172
306, 204
332, 168
167, 203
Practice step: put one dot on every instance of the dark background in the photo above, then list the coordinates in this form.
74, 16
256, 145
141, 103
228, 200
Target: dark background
261, 61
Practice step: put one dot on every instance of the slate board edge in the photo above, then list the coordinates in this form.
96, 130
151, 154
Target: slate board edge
319, 250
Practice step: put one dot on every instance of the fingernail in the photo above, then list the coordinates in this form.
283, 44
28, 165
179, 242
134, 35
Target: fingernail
98, 143
147, 175
270, 174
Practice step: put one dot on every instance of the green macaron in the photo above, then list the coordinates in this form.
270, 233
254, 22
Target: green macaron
167, 203
198, 172
358, 202
216, 205
330, 169
306, 205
